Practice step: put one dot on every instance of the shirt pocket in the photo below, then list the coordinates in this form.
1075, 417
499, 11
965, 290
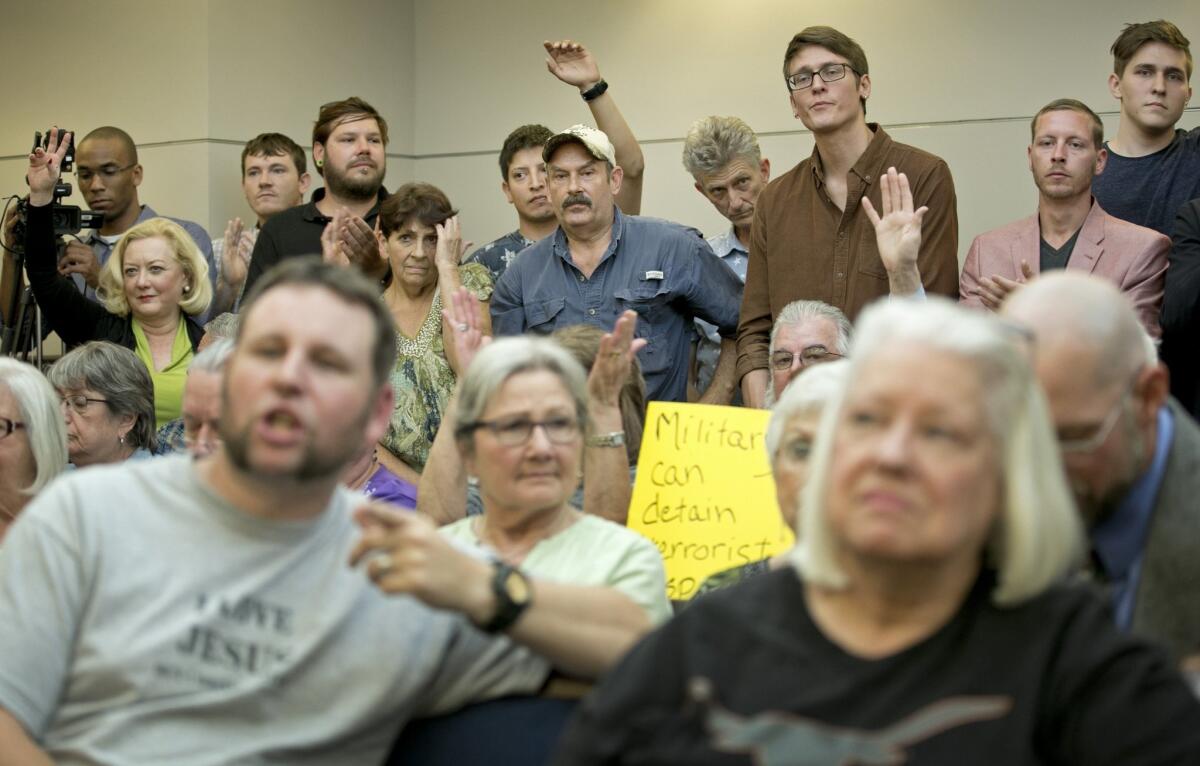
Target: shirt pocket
540, 317
867, 257
652, 302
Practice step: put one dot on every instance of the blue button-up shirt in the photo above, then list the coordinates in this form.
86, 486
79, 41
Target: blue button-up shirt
1120, 539
664, 271
730, 249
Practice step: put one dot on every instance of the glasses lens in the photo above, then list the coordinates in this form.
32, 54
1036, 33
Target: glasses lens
560, 430
833, 72
782, 360
815, 355
800, 80
513, 433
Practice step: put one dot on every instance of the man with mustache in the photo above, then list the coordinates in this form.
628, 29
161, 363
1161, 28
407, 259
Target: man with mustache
274, 178
1153, 167
523, 172
600, 262
109, 174
1070, 229
349, 142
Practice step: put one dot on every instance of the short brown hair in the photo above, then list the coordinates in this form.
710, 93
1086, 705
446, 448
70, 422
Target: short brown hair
834, 41
275, 145
524, 137
349, 285
1134, 36
350, 109
1070, 105
424, 202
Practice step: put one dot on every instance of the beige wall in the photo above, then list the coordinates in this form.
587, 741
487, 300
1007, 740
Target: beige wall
192, 80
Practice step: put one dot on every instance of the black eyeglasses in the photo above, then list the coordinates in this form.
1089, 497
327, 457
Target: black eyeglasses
108, 172
78, 402
511, 433
803, 80
7, 426
782, 360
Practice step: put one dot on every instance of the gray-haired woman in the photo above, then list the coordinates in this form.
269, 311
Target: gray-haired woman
107, 402
33, 439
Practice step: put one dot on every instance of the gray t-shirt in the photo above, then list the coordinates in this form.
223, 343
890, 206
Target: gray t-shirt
146, 620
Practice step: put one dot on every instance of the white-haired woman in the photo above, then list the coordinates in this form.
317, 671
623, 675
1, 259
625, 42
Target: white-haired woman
152, 286
927, 619
520, 424
789, 442
33, 439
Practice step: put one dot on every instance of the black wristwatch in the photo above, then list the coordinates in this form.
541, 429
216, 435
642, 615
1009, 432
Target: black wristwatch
595, 92
513, 596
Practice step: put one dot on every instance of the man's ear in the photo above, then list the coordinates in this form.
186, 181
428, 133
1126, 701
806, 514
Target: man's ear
1114, 86
864, 86
764, 167
137, 175
507, 194
318, 157
305, 182
617, 176
1101, 161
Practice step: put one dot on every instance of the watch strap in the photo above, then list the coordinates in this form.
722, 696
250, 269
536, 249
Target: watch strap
596, 91
508, 608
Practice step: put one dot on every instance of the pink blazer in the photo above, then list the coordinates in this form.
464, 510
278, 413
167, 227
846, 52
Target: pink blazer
1133, 257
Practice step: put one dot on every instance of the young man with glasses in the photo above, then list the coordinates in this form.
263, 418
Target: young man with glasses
1131, 454
1070, 229
108, 174
811, 237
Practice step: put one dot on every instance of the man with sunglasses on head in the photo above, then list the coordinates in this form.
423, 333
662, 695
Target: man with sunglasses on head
108, 175
1131, 453
811, 237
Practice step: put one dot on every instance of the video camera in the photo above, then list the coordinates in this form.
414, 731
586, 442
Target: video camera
68, 219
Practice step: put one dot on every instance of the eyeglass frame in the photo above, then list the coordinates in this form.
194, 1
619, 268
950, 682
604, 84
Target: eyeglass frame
64, 401
817, 73
105, 171
494, 426
803, 363
1092, 443
8, 426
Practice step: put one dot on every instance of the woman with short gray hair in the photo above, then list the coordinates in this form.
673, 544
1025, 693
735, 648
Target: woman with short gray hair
108, 403
33, 439
930, 614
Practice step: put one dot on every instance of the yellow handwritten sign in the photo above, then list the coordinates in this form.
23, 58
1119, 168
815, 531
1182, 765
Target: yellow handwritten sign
704, 492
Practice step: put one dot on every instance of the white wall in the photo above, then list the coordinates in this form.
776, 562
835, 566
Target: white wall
193, 80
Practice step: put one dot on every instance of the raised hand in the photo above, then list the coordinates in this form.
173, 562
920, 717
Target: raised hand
331, 243
361, 245
45, 168
614, 361
79, 258
572, 63
898, 230
461, 316
450, 246
237, 246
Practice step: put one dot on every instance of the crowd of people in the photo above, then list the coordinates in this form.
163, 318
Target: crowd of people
298, 486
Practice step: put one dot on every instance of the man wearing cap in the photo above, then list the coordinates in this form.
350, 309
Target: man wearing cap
600, 262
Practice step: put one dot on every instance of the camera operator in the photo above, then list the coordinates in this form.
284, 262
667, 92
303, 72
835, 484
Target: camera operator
108, 172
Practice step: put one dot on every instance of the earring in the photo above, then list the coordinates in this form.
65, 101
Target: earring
187, 288
121, 439
318, 163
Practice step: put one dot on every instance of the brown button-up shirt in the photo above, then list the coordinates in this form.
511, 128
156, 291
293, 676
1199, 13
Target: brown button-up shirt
803, 247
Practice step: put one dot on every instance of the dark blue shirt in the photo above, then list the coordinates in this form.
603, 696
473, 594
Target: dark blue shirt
1120, 539
1150, 190
664, 271
498, 254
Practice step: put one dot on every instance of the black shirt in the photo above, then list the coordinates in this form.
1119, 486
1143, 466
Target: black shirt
295, 231
1052, 258
744, 676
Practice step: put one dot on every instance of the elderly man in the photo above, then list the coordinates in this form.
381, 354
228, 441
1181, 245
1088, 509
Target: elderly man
349, 143
601, 262
1069, 230
805, 333
274, 178
1131, 453
722, 155
196, 430
155, 609
811, 238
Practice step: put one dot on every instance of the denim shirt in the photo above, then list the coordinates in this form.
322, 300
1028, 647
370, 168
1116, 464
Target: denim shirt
1120, 540
665, 272
730, 249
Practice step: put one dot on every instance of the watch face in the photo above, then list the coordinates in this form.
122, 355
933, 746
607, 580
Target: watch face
516, 587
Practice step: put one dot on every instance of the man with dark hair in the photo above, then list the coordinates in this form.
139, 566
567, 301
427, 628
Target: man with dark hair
274, 178
1153, 167
811, 237
523, 173
349, 140
1070, 230
601, 262
241, 606
108, 172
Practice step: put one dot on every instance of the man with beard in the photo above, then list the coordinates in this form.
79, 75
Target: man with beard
348, 143
1131, 453
600, 262
1070, 230
108, 172
170, 610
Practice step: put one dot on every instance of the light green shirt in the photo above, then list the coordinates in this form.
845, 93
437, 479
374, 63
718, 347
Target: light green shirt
168, 382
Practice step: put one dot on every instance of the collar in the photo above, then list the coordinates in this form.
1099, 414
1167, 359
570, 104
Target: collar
1118, 540
867, 165
310, 212
563, 250
727, 243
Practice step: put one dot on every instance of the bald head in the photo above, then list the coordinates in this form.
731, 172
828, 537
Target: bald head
1083, 324
109, 133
